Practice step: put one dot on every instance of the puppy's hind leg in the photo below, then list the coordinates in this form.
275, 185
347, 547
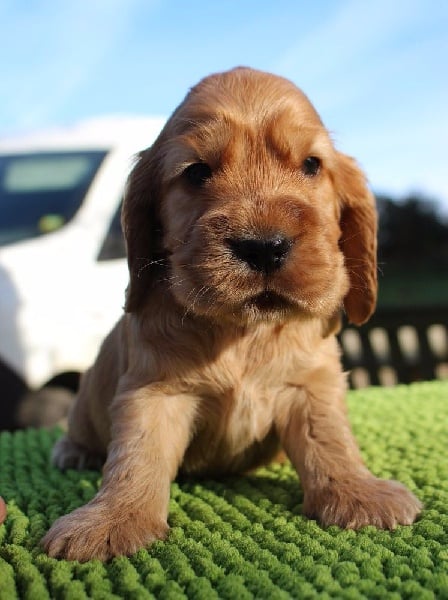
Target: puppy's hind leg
81, 447
67, 454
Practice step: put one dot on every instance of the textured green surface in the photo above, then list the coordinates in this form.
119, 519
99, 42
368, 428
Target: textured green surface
245, 537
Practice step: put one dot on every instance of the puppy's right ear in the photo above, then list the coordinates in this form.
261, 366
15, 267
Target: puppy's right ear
141, 227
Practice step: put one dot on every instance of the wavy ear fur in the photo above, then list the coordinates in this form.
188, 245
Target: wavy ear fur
358, 240
142, 228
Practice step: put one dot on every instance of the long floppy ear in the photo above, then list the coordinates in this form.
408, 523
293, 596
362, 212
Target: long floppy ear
141, 227
358, 240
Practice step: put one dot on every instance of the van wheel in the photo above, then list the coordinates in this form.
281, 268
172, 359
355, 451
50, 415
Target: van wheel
45, 408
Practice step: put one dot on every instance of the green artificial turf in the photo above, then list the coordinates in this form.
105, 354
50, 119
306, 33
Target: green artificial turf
245, 537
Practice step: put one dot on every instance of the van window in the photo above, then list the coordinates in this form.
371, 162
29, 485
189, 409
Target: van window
40, 192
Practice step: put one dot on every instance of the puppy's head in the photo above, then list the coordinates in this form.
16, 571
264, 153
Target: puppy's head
244, 210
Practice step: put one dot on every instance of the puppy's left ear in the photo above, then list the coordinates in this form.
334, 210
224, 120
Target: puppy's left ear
358, 240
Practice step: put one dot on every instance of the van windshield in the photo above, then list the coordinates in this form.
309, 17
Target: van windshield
40, 192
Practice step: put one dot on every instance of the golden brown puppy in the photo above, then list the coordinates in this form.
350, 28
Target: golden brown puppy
247, 233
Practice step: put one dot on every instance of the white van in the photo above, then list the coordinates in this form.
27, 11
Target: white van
63, 270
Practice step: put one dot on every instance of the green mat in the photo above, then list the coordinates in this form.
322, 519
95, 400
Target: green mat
245, 537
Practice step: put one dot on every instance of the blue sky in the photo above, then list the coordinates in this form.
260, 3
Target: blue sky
376, 71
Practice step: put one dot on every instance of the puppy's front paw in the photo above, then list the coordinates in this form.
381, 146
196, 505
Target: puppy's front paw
94, 531
360, 502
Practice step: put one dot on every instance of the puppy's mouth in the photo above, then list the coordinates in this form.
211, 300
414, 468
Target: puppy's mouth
269, 301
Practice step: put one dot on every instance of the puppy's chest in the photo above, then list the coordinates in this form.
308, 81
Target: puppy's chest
230, 426
246, 413
239, 395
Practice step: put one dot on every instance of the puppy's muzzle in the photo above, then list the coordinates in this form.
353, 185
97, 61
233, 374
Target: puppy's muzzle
264, 255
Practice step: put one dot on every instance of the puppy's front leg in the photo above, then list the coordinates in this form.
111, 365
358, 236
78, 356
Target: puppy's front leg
151, 429
338, 488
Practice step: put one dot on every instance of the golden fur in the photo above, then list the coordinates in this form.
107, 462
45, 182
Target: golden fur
239, 268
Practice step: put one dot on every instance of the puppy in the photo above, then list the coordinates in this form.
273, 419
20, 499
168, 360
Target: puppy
247, 233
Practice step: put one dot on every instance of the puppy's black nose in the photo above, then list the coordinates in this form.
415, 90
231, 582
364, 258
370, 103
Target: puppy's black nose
263, 255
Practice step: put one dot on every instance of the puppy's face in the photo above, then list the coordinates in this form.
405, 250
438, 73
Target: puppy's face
246, 192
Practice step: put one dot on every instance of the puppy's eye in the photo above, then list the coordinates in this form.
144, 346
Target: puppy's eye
197, 173
311, 166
